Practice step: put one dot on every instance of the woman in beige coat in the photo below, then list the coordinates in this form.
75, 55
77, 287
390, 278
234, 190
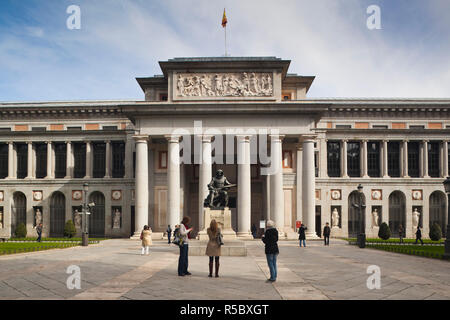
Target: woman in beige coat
146, 240
213, 247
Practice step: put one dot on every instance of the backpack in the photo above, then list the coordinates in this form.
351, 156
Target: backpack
177, 239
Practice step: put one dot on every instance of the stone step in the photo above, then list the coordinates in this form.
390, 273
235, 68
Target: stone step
233, 248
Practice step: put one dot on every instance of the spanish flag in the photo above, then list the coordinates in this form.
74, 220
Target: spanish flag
224, 19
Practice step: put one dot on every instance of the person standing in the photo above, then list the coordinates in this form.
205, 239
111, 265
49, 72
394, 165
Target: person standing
213, 247
184, 247
326, 234
270, 239
169, 233
301, 235
401, 233
39, 232
419, 235
253, 230
146, 240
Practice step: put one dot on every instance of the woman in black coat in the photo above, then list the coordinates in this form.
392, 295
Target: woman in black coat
270, 239
301, 235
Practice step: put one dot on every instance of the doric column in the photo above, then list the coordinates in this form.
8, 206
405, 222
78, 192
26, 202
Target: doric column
141, 193
385, 159
445, 164
299, 180
173, 181
128, 159
405, 159
88, 160
308, 188
425, 159
204, 176
30, 161
49, 160
244, 186
68, 160
323, 172
276, 183
364, 159
11, 173
108, 160
344, 159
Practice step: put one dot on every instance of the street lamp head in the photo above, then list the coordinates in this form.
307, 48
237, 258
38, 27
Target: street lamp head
360, 188
447, 185
86, 187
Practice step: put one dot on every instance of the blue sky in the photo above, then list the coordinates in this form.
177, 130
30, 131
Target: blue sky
42, 60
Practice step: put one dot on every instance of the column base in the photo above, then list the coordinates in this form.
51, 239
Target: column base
244, 235
311, 236
136, 235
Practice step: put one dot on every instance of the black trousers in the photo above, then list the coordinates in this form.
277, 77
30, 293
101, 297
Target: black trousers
326, 240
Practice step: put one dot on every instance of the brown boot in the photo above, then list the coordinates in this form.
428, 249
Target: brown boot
217, 269
210, 269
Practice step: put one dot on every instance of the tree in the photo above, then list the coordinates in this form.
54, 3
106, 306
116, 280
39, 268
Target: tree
21, 231
435, 232
69, 229
384, 232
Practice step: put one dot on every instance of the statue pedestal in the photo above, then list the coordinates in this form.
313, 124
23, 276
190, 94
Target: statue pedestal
336, 232
223, 218
374, 232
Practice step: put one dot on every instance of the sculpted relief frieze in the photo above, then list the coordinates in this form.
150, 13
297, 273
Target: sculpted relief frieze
210, 85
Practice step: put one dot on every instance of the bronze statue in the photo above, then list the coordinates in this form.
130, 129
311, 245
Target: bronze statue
218, 196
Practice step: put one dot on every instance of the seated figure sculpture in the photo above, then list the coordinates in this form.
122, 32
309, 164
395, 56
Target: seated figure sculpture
218, 196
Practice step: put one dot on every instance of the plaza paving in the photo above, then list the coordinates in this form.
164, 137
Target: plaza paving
114, 269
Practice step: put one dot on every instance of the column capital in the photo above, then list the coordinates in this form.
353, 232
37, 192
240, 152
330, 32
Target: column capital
385, 140
10, 142
141, 138
48, 142
108, 141
365, 140
205, 137
68, 142
276, 137
172, 138
308, 138
243, 137
426, 140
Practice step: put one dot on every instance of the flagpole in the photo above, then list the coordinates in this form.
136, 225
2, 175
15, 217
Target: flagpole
225, 40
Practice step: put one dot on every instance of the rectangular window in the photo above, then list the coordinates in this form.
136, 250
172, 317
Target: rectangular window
433, 159
394, 159
99, 159
287, 159
162, 160
334, 158
60, 159
353, 159
417, 127
39, 129
373, 159
343, 126
379, 126
74, 128
316, 164
4, 160
118, 159
413, 159
79, 154
41, 160
109, 127
22, 160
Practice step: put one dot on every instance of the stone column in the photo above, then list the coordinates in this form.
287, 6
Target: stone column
11, 173
405, 159
128, 159
385, 159
49, 160
88, 160
173, 181
276, 183
425, 159
68, 160
445, 164
344, 159
299, 180
364, 159
204, 177
30, 161
108, 160
309, 187
141, 193
244, 187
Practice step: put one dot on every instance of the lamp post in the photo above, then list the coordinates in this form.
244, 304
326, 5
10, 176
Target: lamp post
361, 240
85, 234
447, 233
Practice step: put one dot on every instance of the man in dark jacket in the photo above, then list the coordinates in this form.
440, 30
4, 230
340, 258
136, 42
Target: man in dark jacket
39, 232
301, 235
419, 235
169, 233
326, 234
270, 239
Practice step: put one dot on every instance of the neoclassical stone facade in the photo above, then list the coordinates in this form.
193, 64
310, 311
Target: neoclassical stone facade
292, 158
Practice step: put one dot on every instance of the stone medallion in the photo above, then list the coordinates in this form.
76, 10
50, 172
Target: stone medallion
417, 194
37, 195
336, 194
77, 194
116, 194
377, 194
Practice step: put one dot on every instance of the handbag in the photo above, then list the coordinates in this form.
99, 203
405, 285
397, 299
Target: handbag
219, 239
142, 235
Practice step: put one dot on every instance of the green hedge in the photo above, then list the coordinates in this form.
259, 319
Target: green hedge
436, 252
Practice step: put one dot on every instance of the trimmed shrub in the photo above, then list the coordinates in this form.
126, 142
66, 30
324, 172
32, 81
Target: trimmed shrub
435, 232
21, 231
384, 232
69, 229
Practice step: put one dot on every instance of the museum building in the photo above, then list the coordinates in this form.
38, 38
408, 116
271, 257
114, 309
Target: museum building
291, 157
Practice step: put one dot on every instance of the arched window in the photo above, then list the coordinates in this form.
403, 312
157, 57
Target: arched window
18, 211
356, 219
437, 210
397, 212
57, 214
97, 216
